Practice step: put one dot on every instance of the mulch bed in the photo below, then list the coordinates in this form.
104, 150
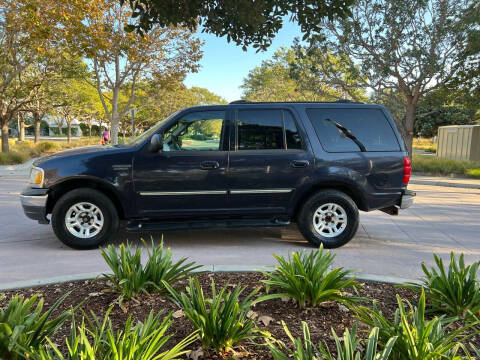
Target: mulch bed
321, 320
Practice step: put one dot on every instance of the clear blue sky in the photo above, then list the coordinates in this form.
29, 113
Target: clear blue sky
224, 65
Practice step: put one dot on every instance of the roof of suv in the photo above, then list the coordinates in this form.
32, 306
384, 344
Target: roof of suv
341, 101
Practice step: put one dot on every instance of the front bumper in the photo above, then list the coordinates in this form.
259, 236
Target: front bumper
34, 203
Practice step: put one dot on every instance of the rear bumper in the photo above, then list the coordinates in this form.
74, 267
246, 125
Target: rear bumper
407, 199
34, 204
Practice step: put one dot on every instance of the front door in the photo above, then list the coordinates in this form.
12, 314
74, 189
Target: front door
188, 176
269, 161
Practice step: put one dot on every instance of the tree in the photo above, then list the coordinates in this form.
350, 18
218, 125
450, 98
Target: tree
272, 81
326, 75
120, 59
155, 103
33, 38
467, 77
442, 107
412, 47
296, 74
245, 22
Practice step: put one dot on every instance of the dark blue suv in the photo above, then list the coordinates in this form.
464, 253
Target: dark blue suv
242, 164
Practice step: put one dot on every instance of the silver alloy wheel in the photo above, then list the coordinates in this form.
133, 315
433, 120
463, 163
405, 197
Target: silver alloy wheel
84, 220
330, 220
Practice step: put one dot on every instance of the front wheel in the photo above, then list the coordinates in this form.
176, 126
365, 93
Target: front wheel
84, 219
329, 217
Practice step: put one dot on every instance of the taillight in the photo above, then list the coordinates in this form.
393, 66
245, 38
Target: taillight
407, 170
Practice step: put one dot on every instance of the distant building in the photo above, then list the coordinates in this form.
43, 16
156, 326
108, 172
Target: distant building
53, 127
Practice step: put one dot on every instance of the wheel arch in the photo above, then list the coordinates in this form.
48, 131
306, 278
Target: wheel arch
354, 192
61, 188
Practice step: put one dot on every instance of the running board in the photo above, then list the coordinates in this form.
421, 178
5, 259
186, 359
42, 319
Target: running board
199, 224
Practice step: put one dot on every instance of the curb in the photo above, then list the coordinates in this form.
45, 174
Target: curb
444, 183
206, 268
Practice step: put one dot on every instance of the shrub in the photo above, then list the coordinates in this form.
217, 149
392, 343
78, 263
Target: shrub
305, 278
47, 146
130, 277
12, 157
99, 340
474, 173
27, 148
350, 349
222, 319
436, 166
24, 326
417, 338
453, 292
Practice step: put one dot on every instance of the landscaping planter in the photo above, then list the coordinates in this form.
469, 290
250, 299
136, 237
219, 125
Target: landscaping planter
269, 314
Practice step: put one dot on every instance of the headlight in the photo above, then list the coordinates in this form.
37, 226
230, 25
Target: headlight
36, 177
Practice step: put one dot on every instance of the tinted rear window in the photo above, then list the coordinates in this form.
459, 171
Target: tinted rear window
369, 126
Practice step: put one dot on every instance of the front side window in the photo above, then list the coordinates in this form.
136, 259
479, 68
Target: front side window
197, 131
267, 130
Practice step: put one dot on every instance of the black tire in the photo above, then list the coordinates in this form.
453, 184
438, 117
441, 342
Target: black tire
108, 210
305, 220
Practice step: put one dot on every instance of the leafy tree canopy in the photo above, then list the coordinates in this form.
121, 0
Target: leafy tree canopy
246, 22
296, 74
409, 47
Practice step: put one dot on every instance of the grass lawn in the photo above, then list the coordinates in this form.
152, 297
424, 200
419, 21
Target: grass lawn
431, 165
425, 144
19, 153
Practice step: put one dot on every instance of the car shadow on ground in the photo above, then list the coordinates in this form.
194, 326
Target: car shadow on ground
218, 237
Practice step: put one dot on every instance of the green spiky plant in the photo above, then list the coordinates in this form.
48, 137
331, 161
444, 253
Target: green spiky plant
348, 348
95, 339
305, 277
417, 337
131, 278
221, 320
454, 291
351, 347
24, 325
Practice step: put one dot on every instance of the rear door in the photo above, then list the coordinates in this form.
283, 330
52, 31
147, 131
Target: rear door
268, 160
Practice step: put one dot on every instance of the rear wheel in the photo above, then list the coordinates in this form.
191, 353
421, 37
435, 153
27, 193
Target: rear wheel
330, 217
84, 219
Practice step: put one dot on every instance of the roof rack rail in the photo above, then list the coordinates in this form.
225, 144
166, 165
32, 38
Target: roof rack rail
348, 101
240, 102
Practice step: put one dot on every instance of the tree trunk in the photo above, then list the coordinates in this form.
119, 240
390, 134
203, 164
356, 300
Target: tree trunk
21, 132
37, 129
5, 136
69, 131
115, 124
89, 131
409, 122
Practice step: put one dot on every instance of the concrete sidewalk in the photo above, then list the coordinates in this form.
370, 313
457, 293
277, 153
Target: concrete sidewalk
20, 170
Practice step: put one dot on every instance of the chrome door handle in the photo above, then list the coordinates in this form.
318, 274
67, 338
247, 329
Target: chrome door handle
300, 163
209, 165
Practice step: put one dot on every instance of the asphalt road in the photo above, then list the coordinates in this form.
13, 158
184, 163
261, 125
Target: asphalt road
442, 220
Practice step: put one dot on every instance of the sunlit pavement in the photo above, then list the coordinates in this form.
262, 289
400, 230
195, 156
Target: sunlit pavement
442, 220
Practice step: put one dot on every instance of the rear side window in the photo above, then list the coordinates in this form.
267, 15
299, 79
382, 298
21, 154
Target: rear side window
267, 129
294, 141
369, 126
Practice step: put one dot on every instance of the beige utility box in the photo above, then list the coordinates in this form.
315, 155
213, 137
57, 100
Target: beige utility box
459, 142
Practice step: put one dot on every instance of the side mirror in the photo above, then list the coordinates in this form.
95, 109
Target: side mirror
156, 143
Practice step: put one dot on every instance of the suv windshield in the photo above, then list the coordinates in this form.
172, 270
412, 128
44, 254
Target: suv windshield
151, 131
